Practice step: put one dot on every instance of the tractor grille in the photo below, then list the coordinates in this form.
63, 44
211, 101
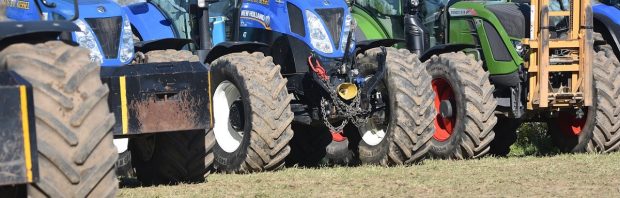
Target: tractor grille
108, 32
333, 19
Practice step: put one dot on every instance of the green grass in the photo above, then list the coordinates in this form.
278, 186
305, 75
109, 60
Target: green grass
533, 168
561, 175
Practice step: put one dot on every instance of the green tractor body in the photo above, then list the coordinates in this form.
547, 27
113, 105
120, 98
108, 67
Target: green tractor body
466, 26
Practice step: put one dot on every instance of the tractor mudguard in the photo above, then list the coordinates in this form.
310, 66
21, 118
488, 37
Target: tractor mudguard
362, 46
158, 97
161, 44
444, 48
235, 46
18, 145
33, 31
149, 22
607, 21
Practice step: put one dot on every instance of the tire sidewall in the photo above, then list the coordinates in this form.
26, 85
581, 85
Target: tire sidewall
450, 74
225, 161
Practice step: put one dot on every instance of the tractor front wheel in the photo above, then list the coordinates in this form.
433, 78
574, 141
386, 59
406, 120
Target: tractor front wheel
465, 107
76, 156
251, 113
402, 134
596, 128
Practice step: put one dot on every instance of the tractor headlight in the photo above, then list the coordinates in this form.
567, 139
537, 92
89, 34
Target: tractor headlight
318, 34
86, 39
126, 49
519, 47
349, 25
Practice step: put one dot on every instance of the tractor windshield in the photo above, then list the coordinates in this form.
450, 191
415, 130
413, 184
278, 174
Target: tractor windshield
431, 14
382, 7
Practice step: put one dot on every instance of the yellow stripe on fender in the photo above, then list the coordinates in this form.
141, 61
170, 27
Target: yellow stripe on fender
210, 101
26, 131
124, 111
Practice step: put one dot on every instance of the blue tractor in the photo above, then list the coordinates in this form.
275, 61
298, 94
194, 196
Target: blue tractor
289, 84
55, 118
157, 92
607, 23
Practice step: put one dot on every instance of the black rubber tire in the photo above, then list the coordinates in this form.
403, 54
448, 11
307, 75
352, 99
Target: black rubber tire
473, 131
268, 115
601, 133
310, 147
170, 158
505, 135
411, 110
123, 165
175, 157
76, 156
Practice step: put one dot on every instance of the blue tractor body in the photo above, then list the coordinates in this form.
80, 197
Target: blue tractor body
149, 22
607, 22
105, 29
288, 18
109, 30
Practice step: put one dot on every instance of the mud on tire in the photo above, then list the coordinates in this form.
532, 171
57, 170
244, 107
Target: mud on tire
251, 86
175, 157
473, 102
411, 109
75, 152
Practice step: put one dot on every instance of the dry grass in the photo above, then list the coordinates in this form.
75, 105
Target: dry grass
562, 175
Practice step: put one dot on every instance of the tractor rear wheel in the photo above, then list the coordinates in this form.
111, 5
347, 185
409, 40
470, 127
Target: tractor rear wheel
175, 157
404, 135
251, 113
76, 156
598, 129
465, 107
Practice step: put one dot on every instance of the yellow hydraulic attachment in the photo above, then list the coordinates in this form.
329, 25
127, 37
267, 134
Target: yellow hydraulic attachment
575, 61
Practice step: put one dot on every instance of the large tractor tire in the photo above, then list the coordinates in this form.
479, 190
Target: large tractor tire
598, 130
505, 136
252, 113
404, 135
465, 107
76, 156
170, 158
175, 157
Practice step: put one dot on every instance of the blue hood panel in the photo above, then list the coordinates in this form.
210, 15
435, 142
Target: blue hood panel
274, 16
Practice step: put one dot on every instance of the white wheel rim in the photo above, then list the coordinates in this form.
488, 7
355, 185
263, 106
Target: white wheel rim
226, 137
373, 135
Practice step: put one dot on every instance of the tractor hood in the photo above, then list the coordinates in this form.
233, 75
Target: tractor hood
320, 24
105, 29
89, 8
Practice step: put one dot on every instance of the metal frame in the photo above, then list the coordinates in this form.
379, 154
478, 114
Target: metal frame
579, 40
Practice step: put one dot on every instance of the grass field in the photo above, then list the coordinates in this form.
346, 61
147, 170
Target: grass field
581, 175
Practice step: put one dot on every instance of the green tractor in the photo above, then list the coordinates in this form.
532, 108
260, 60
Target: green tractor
488, 60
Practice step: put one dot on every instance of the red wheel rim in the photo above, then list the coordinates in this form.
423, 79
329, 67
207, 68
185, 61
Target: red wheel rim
570, 124
443, 126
